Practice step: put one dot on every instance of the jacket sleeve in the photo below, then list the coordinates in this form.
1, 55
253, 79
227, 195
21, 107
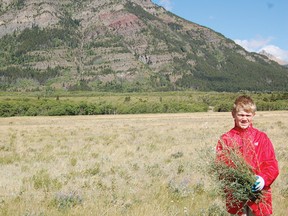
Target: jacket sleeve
268, 163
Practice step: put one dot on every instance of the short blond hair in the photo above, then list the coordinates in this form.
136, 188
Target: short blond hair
245, 103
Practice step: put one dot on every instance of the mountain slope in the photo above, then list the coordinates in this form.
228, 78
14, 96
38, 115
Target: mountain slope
121, 45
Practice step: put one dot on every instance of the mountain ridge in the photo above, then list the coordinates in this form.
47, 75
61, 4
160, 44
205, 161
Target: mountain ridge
272, 57
122, 45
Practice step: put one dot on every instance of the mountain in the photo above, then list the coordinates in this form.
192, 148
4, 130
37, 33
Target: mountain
272, 57
122, 45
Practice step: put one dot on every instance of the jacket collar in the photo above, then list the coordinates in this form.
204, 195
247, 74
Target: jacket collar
239, 130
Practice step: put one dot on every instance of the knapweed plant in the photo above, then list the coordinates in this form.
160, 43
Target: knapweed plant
231, 174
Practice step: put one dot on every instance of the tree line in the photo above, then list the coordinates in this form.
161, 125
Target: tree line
182, 102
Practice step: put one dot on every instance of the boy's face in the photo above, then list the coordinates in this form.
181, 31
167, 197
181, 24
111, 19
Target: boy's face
243, 119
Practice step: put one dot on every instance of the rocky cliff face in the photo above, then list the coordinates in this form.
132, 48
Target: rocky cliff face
114, 42
27, 14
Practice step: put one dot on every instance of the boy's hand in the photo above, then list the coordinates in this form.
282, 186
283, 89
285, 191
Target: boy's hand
259, 184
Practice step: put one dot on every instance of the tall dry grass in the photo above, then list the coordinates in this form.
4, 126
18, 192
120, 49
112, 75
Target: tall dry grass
121, 165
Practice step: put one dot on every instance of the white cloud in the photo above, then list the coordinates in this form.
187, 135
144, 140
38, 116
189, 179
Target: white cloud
277, 52
167, 4
258, 44
253, 45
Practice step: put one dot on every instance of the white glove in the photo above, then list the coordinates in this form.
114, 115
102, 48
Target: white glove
259, 184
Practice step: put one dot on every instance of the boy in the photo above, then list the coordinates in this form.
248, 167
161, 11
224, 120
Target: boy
257, 150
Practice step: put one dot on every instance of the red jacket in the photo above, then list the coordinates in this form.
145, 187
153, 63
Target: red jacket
258, 151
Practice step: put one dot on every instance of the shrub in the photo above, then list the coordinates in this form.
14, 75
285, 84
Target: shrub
64, 201
216, 210
42, 180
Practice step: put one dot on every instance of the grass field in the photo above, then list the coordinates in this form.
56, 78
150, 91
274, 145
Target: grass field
121, 164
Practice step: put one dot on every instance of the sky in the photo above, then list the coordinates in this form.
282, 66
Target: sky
253, 24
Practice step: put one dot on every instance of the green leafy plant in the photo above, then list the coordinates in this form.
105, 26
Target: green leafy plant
231, 174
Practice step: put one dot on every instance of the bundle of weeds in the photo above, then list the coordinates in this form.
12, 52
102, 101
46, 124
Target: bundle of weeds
231, 174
